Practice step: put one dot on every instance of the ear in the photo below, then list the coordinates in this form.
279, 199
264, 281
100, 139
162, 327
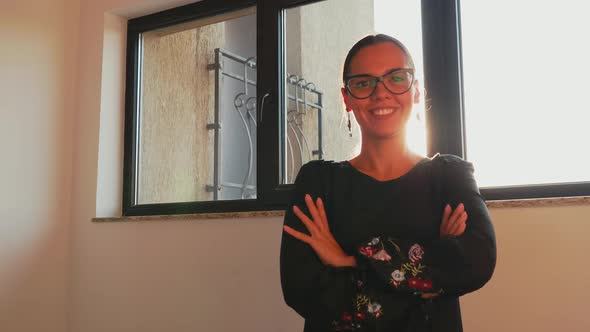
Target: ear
345, 98
417, 93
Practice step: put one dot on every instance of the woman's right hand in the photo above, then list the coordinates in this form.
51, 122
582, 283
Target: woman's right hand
320, 239
453, 222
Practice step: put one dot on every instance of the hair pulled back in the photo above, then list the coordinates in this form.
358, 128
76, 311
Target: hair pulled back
371, 40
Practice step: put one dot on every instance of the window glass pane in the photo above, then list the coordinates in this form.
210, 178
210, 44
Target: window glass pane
197, 118
525, 83
318, 37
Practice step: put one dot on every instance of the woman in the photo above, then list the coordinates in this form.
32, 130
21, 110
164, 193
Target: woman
389, 240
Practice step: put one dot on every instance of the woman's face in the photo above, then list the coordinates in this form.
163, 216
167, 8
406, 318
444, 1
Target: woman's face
382, 115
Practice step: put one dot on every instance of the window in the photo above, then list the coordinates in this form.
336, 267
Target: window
191, 108
525, 81
315, 126
308, 49
227, 99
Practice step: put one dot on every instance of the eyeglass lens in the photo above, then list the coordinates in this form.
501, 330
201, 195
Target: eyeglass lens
397, 82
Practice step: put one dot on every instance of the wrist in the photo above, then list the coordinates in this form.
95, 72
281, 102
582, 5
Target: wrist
349, 261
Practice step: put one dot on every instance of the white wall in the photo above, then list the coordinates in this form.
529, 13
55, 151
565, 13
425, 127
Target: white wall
209, 275
217, 275
38, 52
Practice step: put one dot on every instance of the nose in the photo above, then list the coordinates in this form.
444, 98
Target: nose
381, 91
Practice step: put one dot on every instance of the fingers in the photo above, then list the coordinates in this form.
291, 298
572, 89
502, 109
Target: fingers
462, 228
309, 224
322, 213
319, 239
453, 223
318, 223
315, 214
458, 224
298, 235
324, 222
318, 228
445, 223
457, 213
446, 213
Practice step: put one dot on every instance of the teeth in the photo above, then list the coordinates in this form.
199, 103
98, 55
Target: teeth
383, 111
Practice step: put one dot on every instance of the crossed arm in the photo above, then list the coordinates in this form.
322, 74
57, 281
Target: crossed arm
321, 240
460, 261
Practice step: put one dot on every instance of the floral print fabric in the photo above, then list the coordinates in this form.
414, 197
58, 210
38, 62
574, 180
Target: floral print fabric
403, 269
366, 310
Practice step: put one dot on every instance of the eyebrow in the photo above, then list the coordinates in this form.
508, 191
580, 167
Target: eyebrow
387, 72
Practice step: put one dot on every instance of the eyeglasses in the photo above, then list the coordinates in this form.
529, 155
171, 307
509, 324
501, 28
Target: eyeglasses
397, 81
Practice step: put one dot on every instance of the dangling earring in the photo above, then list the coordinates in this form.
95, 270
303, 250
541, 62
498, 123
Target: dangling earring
349, 123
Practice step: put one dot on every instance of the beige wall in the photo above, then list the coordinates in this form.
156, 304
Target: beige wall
178, 276
541, 274
192, 275
217, 275
38, 54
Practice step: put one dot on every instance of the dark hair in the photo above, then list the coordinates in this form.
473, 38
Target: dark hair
371, 40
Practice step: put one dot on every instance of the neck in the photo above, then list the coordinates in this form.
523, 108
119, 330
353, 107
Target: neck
385, 157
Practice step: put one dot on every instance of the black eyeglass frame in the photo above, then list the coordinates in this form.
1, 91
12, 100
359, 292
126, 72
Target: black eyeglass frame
380, 79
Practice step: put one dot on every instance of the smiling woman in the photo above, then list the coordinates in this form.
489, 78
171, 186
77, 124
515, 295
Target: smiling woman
381, 241
381, 110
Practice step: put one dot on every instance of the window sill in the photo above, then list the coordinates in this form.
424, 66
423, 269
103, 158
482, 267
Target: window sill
540, 202
195, 216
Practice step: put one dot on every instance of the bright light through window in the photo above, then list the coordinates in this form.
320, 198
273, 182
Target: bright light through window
401, 20
526, 70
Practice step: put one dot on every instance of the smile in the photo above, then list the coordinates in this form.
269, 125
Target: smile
383, 111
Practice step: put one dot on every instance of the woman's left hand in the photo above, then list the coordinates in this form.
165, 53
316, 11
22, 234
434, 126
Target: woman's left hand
320, 239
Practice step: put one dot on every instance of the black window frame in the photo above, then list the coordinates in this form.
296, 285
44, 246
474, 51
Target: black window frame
441, 29
135, 27
443, 81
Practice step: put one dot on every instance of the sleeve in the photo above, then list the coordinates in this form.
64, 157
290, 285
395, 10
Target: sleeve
319, 293
450, 265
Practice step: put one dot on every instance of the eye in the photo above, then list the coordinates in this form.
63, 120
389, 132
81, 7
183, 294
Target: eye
360, 82
398, 77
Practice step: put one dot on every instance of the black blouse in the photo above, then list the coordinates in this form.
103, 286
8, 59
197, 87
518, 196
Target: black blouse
392, 228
